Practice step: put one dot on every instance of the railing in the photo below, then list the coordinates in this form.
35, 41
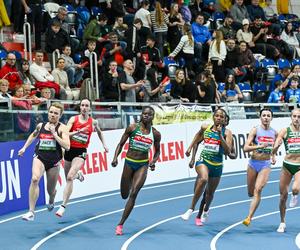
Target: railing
1, 35
94, 72
27, 40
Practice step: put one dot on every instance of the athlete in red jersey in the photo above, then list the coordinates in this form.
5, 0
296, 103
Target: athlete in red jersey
80, 130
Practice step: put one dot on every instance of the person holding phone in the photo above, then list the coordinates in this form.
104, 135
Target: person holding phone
260, 142
217, 141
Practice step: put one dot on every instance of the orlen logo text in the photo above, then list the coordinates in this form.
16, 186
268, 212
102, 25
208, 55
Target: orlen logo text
95, 162
169, 151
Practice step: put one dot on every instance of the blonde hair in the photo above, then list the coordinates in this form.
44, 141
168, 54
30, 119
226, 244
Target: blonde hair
172, 10
182, 82
58, 106
159, 15
188, 32
2, 81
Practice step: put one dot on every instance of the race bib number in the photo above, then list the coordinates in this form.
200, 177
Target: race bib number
294, 145
212, 145
265, 140
47, 142
81, 138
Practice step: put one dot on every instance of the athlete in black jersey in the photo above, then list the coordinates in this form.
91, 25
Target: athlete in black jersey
53, 136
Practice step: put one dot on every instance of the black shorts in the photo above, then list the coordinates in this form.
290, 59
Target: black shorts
75, 152
48, 164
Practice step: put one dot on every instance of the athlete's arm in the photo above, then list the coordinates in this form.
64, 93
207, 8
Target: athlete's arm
279, 140
232, 155
30, 139
197, 139
70, 125
226, 142
124, 138
249, 143
62, 137
157, 138
100, 134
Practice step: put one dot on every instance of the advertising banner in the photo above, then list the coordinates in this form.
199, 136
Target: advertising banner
178, 113
15, 177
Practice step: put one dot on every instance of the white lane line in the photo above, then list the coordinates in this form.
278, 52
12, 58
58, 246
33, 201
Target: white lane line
219, 235
297, 240
132, 238
117, 193
38, 244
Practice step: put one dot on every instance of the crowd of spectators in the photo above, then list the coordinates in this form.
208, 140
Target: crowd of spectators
137, 43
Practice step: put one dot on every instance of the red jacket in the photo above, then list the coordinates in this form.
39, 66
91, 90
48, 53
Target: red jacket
11, 75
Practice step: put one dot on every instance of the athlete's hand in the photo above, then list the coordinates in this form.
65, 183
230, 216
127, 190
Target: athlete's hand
192, 163
21, 152
263, 145
273, 159
84, 129
188, 152
219, 128
52, 129
114, 163
105, 148
151, 166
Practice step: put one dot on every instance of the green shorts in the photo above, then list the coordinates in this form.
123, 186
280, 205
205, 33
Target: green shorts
291, 167
213, 171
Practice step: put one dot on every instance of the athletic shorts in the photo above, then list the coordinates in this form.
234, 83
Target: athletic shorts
75, 152
136, 164
48, 164
213, 171
293, 168
259, 165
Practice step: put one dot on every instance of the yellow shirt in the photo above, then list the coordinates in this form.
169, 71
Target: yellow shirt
225, 5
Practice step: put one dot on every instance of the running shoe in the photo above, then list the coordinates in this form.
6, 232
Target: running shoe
294, 200
119, 230
247, 221
204, 216
187, 214
198, 222
60, 211
281, 228
50, 206
29, 216
80, 176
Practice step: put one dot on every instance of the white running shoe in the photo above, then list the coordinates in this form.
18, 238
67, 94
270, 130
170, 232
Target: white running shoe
294, 200
187, 214
50, 206
60, 211
204, 216
281, 228
29, 216
80, 176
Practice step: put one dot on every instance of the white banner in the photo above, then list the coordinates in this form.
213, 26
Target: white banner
173, 164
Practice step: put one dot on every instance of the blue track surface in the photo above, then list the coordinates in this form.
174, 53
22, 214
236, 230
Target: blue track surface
90, 223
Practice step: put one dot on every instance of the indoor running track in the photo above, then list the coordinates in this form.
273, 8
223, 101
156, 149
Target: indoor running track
155, 222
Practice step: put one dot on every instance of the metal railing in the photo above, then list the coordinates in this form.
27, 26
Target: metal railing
94, 72
27, 40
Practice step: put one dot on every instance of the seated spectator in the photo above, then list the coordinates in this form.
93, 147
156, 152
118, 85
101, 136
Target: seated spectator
186, 47
225, 5
285, 75
41, 75
207, 88
296, 70
245, 34
276, 96
113, 51
217, 55
269, 11
150, 54
24, 73
152, 90
182, 89
10, 73
61, 77
246, 60
23, 120
56, 38
227, 28
120, 28
74, 71
289, 36
45, 95
232, 92
4, 92
201, 36
292, 94
111, 87
254, 10
239, 13
30, 94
